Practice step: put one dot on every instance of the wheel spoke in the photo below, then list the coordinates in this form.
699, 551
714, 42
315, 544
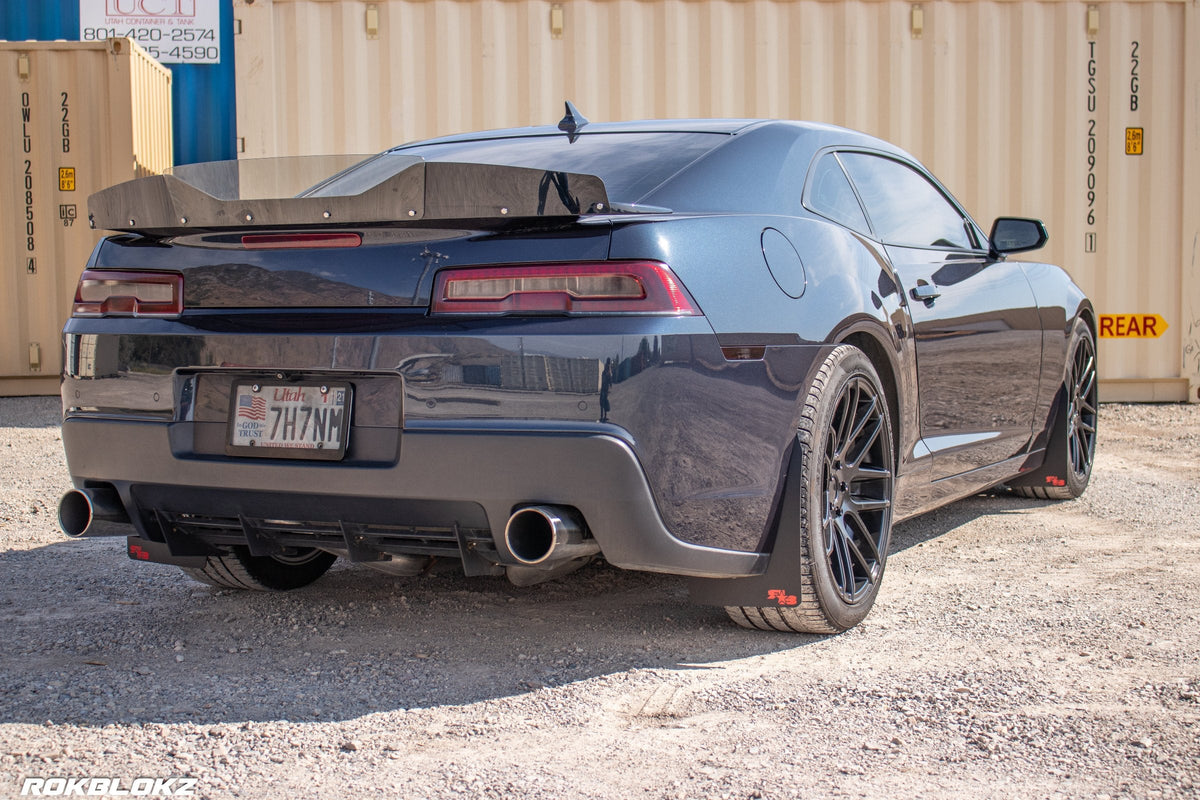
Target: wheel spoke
865, 537
1083, 443
1085, 388
857, 474
841, 563
865, 418
868, 440
1085, 361
1075, 453
868, 505
851, 555
846, 406
839, 422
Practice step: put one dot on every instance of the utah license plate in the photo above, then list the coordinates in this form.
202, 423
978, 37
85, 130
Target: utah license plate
289, 420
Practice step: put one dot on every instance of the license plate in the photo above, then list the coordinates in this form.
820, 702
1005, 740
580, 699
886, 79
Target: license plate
289, 420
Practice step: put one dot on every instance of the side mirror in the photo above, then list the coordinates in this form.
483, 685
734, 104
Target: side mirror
1017, 234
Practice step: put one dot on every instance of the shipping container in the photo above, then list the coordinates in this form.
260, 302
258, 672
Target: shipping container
200, 59
1084, 114
78, 116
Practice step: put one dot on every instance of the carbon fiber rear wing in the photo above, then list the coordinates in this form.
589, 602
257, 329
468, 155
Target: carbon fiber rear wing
409, 189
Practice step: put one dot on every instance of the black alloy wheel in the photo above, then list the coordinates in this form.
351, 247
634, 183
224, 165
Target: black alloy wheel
1081, 408
858, 491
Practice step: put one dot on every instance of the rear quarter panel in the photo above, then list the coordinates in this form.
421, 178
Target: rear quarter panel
720, 261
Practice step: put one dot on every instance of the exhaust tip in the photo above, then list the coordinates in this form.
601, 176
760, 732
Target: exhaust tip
75, 513
543, 536
93, 511
530, 534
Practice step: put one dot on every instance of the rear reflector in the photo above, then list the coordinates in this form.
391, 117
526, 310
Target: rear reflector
608, 287
299, 241
105, 293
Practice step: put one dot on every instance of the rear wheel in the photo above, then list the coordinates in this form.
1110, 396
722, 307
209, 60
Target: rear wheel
1072, 445
237, 569
847, 472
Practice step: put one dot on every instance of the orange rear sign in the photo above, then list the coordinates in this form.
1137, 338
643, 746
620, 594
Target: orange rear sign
1132, 326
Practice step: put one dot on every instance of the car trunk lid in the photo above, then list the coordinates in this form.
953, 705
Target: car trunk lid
390, 267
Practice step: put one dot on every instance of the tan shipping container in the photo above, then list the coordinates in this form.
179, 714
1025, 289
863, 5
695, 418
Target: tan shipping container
1020, 107
78, 116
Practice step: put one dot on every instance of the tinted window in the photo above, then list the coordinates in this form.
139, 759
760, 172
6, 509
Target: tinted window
758, 171
830, 195
904, 207
630, 164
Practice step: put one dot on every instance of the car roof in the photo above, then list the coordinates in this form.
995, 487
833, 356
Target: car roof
731, 127
726, 126
753, 166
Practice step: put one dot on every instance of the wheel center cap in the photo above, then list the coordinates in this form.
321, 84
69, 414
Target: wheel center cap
837, 494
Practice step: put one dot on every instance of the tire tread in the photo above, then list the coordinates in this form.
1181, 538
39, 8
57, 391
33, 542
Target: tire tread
225, 572
1043, 492
237, 569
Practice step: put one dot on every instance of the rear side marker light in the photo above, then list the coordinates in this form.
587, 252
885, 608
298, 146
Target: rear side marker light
607, 287
111, 293
299, 241
743, 353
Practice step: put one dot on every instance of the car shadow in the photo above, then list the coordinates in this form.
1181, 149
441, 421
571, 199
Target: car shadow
938, 522
95, 639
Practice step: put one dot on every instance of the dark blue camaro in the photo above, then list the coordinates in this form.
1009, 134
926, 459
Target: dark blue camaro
733, 350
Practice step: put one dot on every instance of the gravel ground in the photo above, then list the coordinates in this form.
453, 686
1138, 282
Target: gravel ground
1018, 649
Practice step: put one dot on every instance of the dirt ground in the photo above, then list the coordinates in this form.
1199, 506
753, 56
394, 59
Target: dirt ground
1019, 649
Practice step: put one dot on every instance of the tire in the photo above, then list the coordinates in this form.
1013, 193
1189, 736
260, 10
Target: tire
237, 569
1072, 445
847, 458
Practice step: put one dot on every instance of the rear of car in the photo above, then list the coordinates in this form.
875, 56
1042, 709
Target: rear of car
496, 363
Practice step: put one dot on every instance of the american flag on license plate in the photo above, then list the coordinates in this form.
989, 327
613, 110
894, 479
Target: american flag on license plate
251, 407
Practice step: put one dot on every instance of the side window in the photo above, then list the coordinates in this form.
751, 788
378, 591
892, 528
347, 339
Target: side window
904, 207
830, 195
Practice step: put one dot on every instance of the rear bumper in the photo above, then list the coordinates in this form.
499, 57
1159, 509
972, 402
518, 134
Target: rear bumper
462, 476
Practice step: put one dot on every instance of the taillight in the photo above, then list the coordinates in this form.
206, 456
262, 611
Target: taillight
608, 287
109, 293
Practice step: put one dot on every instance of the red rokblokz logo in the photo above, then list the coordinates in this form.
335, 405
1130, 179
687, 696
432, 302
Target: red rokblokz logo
175, 786
150, 8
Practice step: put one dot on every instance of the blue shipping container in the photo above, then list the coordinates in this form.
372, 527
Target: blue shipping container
203, 95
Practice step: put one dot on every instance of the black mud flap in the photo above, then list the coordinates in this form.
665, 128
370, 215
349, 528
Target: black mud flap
779, 584
140, 549
1050, 471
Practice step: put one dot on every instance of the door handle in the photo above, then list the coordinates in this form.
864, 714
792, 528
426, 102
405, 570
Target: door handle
925, 292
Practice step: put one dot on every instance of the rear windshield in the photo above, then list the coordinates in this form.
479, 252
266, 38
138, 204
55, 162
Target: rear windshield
630, 164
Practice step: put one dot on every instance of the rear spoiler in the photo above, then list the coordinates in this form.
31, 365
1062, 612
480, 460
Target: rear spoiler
424, 191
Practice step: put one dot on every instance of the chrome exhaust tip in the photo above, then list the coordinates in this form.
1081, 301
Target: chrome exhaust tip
546, 535
92, 512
